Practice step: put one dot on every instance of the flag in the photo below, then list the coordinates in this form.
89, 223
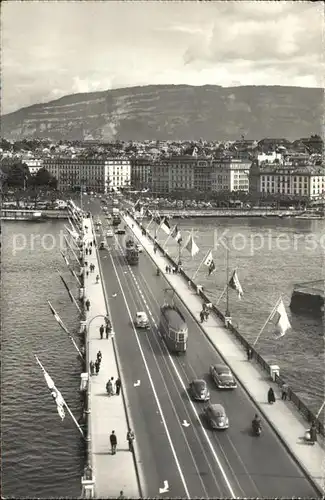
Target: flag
74, 234
57, 317
165, 225
235, 285
209, 262
280, 319
137, 206
148, 213
55, 393
176, 234
191, 246
67, 288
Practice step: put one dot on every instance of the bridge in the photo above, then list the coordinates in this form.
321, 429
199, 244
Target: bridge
176, 454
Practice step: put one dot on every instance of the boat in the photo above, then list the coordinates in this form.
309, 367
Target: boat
308, 298
37, 217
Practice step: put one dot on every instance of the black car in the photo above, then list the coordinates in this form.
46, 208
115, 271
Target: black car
223, 377
120, 231
199, 390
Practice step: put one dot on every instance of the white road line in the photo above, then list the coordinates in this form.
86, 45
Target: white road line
152, 386
232, 493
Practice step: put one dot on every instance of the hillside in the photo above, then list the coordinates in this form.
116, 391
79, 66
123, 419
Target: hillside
175, 112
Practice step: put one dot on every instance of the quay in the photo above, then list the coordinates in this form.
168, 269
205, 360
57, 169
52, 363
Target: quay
192, 214
289, 419
106, 475
28, 215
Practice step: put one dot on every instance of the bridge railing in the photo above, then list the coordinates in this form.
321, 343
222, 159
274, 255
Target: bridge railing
292, 396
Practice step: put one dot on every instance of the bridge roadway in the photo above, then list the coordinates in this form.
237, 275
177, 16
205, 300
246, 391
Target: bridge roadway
195, 461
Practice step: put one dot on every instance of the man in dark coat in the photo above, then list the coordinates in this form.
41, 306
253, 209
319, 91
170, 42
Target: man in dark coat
113, 441
87, 304
101, 331
97, 365
118, 386
271, 396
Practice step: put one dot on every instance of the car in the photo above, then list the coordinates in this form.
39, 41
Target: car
109, 233
223, 377
216, 416
120, 231
102, 245
199, 390
141, 320
139, 248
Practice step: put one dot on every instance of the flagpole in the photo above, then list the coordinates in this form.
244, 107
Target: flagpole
151, 220
266, 322
222, 294
320, 410
70, 294
171, 232
200, 265
227, 314
59, 320
65, 404
72, 250
188, 239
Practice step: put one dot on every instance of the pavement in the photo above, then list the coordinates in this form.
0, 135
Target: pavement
113, 473
283, 417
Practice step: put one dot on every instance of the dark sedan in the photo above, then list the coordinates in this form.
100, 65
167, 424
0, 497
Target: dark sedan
120, 231
199, 390
216, 416
223, 377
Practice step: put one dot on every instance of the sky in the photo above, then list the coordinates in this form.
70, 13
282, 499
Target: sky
53, 48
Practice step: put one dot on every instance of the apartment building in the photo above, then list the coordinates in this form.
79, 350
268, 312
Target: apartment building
92, 174
230, 174
293, 180
34, 165
181, 173
141, 173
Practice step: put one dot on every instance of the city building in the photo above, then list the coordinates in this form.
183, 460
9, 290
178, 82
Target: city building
92, 174
291, 180
34, 165
141, 173
230, 174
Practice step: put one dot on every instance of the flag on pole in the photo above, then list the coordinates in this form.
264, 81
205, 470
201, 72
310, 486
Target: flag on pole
55, 393
176, 234
235, 285
65, 258
137, 206
209, 262
67, 288
165, 225
280, 320
191, 246
74, 234
57, 317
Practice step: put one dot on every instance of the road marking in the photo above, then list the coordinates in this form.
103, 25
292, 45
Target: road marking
232, 493
165, 489
152, 386
185, 423
137, 383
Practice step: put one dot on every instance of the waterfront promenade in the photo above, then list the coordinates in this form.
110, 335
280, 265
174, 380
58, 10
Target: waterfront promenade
112, 473
283, 416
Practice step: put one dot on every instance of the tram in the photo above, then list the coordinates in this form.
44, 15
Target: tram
173, 327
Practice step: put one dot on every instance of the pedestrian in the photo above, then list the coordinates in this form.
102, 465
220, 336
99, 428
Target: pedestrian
86, 251
109, 388
101, 331
97, 279
313, 433
166, 269
113, 440
87, 273
201, 316
113, 386
108, 329
121, 496
90, 251
155, 250
271, 396
99, 357
97, 365
87, 304
86, 263
92, 367
117, 386
130, 439
189, 284
91, 244
284, 391
249, 353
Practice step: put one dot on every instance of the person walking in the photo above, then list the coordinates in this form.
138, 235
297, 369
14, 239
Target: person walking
97, 366
101, 331
271, 396
313, 433
94, 241
113, 440
90, 251
97, 279
87, 304
91, 244
99, 357
86, 251
109, 387
108, 329
284, 391
201, 316
113, 386
121, 495
92, 367
166, 269
249, 353
130, 439
118, 386
87, 273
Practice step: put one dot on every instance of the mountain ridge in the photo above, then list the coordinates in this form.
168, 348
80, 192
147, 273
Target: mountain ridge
172, 112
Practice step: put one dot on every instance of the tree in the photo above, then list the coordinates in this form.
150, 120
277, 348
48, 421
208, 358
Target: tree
44, 178
17, 175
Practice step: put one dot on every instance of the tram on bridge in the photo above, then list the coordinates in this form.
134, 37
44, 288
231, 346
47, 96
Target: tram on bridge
173, 327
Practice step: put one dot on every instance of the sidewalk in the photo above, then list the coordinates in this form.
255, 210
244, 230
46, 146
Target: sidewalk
283, 416
113, 474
